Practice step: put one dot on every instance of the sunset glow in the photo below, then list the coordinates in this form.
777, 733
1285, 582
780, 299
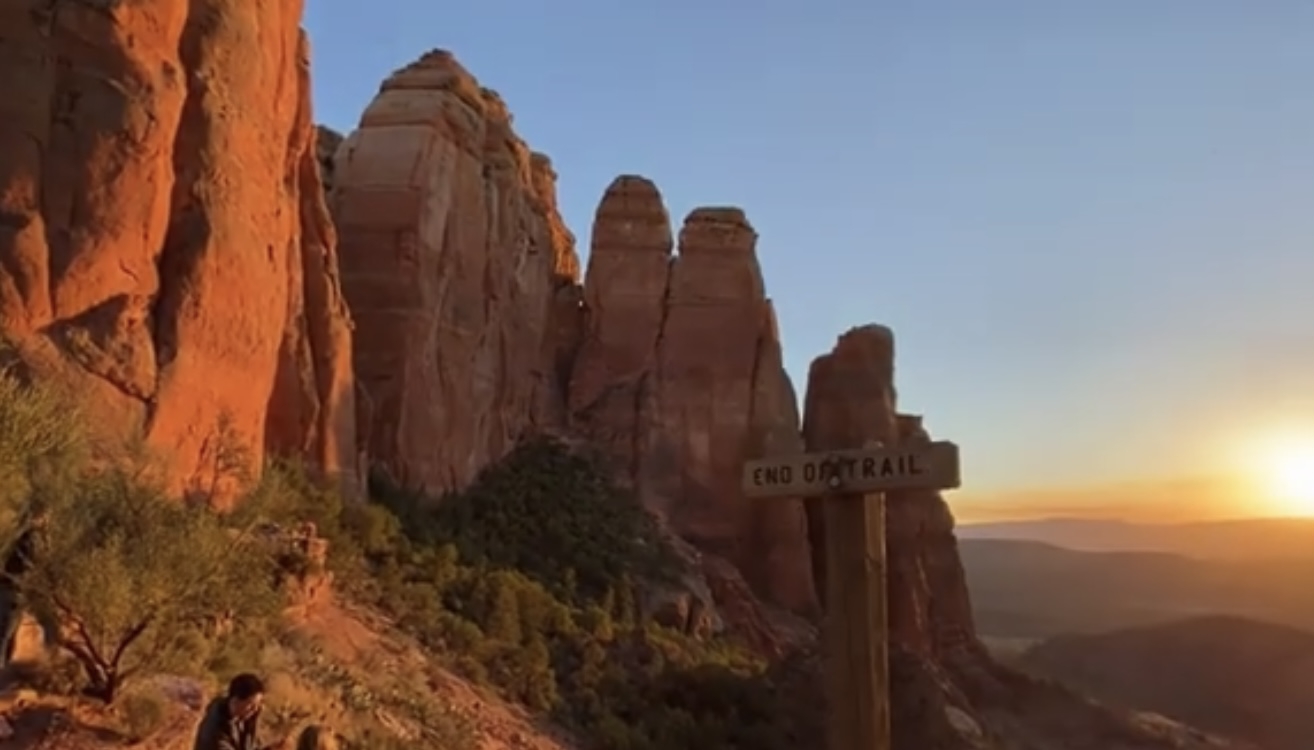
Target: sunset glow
1288, 469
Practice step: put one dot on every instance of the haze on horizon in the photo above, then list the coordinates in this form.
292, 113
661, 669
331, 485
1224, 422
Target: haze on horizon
1089, 224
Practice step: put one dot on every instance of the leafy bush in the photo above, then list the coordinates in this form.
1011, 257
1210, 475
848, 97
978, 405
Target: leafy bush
57, 674
141, 583
142, 712
355, 532
41, 443
134, 581
554, 515
528, 581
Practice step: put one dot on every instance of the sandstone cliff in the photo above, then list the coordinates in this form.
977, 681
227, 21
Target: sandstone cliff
163, 245
457, 267
473, 329
679, 377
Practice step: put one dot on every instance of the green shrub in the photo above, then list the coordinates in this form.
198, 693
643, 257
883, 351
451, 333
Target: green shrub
141, 713
554, 515
528, 581
42, 443
137, 581
56, 674
142, 583
355, 532
243, 646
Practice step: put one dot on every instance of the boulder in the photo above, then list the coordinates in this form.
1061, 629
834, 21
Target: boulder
303, 560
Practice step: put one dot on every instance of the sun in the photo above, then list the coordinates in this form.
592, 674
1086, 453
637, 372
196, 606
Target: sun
1290, 475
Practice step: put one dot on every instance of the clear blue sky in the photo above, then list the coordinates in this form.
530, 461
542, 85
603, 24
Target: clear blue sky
1091, 224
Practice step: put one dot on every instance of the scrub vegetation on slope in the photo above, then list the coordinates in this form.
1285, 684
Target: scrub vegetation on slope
526, 583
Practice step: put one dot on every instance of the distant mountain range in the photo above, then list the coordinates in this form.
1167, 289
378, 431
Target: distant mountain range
1251, 538
1034, 590
1241, 678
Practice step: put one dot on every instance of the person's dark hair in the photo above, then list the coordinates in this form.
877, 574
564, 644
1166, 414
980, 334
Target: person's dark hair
245, 686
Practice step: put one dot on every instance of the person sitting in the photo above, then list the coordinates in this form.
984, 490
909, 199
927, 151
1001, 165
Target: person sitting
231, 721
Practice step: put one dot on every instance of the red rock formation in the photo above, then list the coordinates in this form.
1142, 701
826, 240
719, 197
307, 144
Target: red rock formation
739, 608
565, 321
312, 410
774, 550
947, 694
327, 142
679, 378
850, 403
453, 258
624, 299
151, 223
473, 329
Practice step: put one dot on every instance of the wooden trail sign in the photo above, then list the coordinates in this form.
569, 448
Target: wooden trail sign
855, 633
914, 465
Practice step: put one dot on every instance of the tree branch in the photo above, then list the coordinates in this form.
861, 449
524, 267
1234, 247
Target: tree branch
127, 640
81, 629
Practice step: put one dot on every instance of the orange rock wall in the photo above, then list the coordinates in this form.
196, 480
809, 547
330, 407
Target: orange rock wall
154, 250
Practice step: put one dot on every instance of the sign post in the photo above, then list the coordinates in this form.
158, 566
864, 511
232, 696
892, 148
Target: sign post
855, 631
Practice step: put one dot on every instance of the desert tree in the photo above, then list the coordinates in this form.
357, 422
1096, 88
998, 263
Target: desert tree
131, 580
141, 583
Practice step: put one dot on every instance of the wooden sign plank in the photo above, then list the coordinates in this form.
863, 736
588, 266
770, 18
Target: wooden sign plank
915, 465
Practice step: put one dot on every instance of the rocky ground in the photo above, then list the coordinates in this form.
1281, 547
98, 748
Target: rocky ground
343, 666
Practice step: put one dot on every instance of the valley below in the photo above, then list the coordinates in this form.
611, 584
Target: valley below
1219, 639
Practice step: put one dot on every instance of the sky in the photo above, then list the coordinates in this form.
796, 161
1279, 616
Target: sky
1090, 224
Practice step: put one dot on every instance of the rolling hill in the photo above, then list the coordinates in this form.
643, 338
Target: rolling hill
1239, 677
